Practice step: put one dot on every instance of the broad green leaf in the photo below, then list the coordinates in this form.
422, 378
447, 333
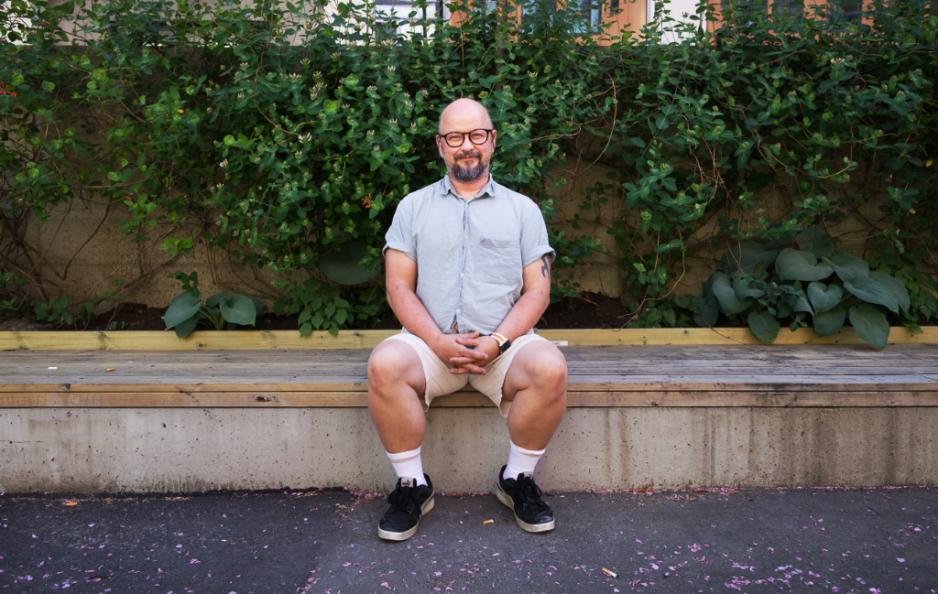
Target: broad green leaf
814, 240
186, 327
870, 324
706, 310
875, 289
897, 287
343, 265
747, 256
238, 309
830, 322
849, 267
184, 306
744, 286
823, 297
801, 266
799, 300
726, 296
763, 325
216, 299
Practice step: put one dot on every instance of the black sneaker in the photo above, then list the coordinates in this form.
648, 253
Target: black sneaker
524, 498
409, 503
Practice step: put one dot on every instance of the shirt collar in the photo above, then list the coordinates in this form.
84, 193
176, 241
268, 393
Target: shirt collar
487, 190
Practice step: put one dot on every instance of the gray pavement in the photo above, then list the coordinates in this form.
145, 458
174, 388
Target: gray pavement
723, 540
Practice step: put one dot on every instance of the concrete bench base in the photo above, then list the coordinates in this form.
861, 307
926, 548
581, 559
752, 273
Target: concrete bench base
119, 450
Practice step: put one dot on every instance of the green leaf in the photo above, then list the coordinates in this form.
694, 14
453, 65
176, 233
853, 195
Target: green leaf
216, 299
877, 288
830, 322
238, 309
898, 288
823, 297
706, 310
798, 265
849, 267
814, 240
726, 296
798, 300
343, 265
187, 327
870, 324
763, 325
183, 307
743, 286
747, 256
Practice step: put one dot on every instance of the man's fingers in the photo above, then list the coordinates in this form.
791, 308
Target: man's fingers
459, 361
468, 342
467, 368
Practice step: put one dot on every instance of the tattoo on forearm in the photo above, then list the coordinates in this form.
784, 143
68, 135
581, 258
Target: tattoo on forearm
545, 266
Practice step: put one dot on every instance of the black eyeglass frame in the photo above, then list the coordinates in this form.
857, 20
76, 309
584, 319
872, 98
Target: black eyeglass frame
464, 135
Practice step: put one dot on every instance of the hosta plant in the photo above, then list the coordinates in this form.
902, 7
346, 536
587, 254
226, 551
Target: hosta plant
187, 310
770, 284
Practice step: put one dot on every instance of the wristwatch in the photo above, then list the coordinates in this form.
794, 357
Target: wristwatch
503, 343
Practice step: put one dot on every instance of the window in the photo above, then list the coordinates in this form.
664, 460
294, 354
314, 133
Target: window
587, 14
744, 9
395, 16
850, 11
790, 8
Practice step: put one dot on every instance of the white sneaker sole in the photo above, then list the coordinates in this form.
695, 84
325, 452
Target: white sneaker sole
505, 498
399, 536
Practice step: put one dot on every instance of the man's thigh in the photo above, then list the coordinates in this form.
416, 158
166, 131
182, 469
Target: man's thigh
538, 362
438, 381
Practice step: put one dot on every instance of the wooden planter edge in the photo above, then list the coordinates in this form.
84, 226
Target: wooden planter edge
291, 339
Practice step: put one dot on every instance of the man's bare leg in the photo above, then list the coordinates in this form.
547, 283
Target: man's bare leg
536, 384
396, 385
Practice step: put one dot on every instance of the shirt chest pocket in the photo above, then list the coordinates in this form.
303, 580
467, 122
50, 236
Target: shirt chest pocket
497, 261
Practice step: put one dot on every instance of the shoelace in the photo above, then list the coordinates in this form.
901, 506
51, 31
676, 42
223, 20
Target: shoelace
402, 500
530, 494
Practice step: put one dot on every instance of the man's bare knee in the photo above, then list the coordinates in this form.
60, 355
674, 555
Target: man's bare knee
394, 366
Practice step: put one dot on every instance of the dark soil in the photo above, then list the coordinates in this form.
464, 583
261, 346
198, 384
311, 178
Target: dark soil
587, 311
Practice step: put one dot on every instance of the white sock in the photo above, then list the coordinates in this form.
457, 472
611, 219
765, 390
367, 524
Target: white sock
521, 461
408, 466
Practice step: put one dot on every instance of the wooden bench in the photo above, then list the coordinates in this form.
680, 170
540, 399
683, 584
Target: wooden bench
640, 416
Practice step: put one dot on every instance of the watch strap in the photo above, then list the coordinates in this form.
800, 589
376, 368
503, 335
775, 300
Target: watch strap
503, 342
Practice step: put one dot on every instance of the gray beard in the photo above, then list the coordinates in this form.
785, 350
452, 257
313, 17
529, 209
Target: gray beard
468, 174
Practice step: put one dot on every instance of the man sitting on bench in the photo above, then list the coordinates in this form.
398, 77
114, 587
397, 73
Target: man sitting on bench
468, 275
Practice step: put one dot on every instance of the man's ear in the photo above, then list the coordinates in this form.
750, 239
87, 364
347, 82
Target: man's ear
439, 147
494, 134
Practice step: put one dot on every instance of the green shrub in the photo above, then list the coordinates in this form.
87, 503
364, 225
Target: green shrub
286, 135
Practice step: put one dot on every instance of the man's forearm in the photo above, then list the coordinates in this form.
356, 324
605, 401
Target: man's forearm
412, 313
524, 314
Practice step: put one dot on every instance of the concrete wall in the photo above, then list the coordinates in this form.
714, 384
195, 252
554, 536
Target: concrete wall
186, 450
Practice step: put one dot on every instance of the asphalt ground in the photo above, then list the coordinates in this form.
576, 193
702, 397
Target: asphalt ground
720, 540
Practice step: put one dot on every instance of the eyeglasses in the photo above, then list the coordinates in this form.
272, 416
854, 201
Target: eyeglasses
476, 137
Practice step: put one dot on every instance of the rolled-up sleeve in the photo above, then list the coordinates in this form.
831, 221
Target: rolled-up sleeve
400, 235
534, 242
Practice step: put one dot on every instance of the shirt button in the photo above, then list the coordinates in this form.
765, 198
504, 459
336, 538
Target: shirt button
462, 274
458, 311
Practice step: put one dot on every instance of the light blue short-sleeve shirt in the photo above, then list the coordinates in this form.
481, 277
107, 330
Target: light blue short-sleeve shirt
469, 253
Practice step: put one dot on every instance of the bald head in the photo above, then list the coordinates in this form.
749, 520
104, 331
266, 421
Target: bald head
463, 115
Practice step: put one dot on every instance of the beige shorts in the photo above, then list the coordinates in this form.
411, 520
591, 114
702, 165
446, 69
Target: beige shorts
441, 382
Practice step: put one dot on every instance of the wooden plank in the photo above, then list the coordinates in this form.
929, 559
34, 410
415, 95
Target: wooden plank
290, 339
576, 399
